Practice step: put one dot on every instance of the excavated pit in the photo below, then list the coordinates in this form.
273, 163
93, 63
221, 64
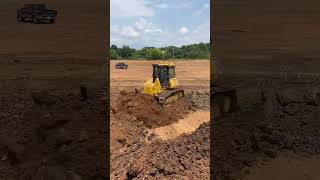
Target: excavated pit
183, 126
139, 151
143, 108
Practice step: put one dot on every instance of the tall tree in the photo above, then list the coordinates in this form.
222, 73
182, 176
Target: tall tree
126, 52
114, 47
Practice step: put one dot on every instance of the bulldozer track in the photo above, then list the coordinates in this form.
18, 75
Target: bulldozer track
165, 97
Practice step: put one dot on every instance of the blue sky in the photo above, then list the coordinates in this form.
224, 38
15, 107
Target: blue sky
158, 23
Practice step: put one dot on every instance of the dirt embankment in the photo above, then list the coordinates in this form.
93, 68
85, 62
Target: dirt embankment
147, 110
138, 152
186, 125
257, 41
52, 135
185, 157
283, 119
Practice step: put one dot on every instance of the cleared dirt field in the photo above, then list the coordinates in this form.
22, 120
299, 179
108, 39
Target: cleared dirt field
269, 52
46, 130
152, 141
189, 73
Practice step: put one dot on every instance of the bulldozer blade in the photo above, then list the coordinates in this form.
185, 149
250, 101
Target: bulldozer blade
169, 96
225, 99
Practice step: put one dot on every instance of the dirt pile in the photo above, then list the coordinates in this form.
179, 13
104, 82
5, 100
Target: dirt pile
200, 99
187, 156
295, 118
144, 108
286, 119
54, 135
136, 152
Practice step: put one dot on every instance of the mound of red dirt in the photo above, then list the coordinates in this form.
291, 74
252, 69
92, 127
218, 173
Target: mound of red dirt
146, 109
286, 120
187, 156
54, 134
138, 153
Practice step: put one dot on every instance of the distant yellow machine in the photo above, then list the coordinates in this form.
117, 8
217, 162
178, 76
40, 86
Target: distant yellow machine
163, 85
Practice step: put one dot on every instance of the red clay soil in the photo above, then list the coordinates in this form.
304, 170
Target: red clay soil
146, 109
137, 153
187, 156
284, 119
53, 135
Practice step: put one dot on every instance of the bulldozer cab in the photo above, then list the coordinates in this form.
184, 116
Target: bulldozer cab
163, 85
164, 72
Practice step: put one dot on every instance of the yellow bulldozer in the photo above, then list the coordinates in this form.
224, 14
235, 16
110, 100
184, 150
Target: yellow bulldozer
222, 96
164, 84
165, 88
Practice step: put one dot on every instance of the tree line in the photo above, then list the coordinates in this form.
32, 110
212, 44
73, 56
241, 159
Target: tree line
193, 51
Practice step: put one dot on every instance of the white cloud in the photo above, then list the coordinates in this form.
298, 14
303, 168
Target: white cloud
132, 8
119, 34
135, 27
153, 31
139, 32
184, 36
143, 25
129, 31
183, 30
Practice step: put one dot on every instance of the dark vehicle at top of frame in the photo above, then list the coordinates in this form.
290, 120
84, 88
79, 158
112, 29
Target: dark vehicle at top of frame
121, 66
36, 13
